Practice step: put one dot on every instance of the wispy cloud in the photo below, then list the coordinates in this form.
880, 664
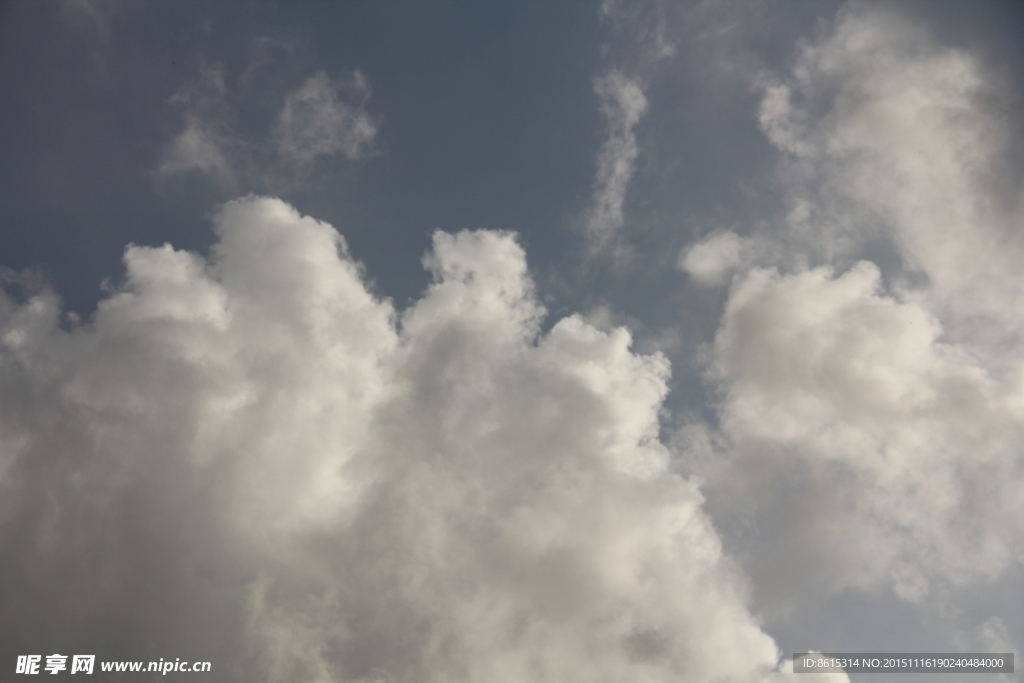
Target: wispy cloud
642, 31
324, 117
320, 118
623, 105
197, 148
208, 141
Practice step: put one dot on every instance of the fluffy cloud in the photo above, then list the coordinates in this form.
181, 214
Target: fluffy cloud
250, 459
870, 452
316, 121
892, 137
870, 427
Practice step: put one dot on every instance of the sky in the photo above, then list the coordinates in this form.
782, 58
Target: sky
387, 342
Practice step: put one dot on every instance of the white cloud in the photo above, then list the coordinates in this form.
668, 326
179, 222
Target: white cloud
870, 433
900, 450
623, 105
891, 136
713, 260
250, 459
316, 121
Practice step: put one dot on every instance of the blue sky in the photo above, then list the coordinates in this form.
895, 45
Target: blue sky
393, 341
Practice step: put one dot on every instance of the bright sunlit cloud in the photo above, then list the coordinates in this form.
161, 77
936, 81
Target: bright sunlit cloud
445, 492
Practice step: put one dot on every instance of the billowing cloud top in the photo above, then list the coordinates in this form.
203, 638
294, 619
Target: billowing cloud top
256, 446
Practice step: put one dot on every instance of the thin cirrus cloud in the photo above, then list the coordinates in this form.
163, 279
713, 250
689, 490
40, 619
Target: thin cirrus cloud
310, 486
869, 425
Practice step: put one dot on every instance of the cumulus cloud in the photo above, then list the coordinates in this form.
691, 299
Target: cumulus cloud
891, 136
870, 427
249, 458
317, 120
623, 105
874, 454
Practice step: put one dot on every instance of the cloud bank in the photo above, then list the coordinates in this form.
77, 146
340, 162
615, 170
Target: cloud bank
251, 459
